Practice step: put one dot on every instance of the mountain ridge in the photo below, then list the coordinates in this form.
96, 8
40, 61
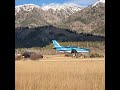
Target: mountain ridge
50, 16
90, 19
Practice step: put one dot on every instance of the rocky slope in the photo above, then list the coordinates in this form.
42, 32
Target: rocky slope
34, 16
88, 20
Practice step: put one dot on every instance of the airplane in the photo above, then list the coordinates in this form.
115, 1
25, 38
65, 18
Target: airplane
69, 49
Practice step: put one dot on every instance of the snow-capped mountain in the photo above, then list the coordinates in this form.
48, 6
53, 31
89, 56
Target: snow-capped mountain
51, 13
99, 1
28, 7
55, 7
89, 19
61, 10
25, 7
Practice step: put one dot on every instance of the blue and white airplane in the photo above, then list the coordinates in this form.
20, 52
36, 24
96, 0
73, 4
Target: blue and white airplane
69, 49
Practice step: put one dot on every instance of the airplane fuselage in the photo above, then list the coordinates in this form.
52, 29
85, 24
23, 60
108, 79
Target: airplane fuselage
69, 49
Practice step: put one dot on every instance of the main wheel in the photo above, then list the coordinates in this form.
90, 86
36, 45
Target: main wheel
74, 52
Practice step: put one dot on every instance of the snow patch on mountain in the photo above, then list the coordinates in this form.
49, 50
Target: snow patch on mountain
64, 6
26, 7
99, 1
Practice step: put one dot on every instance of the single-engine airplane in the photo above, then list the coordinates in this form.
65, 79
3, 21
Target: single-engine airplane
69, 49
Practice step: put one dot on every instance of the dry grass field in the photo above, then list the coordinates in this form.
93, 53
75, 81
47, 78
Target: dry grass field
60, 73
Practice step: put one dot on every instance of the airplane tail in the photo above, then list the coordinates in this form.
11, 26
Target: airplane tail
56, 44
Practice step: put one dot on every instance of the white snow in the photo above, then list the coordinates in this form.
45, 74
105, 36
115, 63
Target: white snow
56, 7
103, 1
61, 6
26, 7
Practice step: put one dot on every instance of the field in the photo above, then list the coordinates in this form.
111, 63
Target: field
60, 73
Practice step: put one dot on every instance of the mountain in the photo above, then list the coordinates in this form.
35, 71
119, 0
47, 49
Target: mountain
25, 7
30, 15
29, 19
89, 20
36, 26
42, 36
61, 10
70, 16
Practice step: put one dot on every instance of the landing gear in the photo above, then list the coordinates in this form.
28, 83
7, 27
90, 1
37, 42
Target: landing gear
75, 54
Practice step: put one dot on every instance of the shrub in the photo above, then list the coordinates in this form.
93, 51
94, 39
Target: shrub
18, 56
36, 56
95, 55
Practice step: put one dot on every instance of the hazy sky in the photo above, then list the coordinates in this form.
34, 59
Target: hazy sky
44, 2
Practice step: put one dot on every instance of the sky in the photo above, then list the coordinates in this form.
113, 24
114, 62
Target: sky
44, 2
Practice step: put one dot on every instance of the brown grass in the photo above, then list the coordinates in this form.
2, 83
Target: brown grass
74, 74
